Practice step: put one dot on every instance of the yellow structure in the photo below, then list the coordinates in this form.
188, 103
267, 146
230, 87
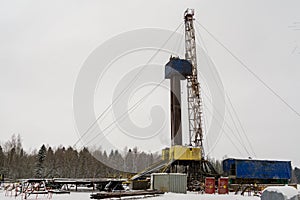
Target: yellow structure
165, 154
181, 153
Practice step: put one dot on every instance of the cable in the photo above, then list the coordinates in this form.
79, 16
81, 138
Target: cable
236, 128
213, 73
201, 40
220, 137
239, 121
251, 72
129, 85
178, 47
132, 108
205, 126
230, 129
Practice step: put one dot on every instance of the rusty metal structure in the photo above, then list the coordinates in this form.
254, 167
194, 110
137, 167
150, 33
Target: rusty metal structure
187, 159
180, 69
179, 158
195, 113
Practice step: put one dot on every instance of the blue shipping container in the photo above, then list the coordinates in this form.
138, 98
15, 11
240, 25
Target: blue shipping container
257, 169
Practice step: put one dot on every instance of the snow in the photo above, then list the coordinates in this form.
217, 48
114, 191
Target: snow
196, 196
72, 196
167, 196
287, 191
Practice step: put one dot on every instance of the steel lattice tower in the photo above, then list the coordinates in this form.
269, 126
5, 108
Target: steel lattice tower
193, 87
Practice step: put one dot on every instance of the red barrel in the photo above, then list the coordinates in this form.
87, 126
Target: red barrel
209, 185
223, 185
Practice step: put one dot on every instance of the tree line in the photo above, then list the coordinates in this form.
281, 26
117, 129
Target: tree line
68, 162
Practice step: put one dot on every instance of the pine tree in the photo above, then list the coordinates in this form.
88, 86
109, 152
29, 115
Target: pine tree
59, 156
39, 170
129, 161
84, 160
49, 164
71, 160
296, 173
2, 160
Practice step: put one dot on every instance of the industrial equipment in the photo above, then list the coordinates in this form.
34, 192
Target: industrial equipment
187, 159
250, 171
178, 158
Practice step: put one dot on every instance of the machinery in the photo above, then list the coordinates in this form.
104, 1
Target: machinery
193, 86
190, 159
179, 158
250, 171
186, 159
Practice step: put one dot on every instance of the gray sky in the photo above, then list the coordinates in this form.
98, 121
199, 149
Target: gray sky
45, 44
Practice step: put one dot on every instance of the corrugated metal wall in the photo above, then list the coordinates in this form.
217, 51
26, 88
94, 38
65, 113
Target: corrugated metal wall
172, 182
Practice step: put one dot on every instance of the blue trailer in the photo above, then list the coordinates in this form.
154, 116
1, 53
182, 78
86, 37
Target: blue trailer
257, 171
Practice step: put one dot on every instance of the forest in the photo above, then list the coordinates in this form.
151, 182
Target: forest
68, 162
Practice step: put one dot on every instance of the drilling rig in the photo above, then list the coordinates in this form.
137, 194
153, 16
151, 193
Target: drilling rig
193, 87
187, 159
179, 158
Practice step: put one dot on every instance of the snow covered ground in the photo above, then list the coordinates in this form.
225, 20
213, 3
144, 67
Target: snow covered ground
194, 196
167, 196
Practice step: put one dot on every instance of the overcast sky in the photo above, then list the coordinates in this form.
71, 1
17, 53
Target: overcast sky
44, 45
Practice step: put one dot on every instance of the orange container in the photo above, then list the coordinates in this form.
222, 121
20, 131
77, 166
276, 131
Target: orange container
210, 184
223, 185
